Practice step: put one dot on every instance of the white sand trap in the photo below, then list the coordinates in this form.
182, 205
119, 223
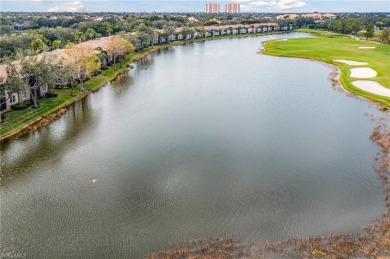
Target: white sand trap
363, 72
282, 40
366, 47
372, 87
350, 62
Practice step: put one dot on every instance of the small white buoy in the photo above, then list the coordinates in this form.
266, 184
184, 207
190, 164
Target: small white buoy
94, 180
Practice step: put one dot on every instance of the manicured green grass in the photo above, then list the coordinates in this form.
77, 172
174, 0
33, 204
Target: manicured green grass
329, 46
15, 120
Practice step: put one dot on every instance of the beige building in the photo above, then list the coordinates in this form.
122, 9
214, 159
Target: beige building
329, 16
192, 19
315, 16
211, 8
291, 16
232, 8
318, 16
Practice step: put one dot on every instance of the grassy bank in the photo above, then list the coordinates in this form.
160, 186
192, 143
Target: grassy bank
328, 46
15, 121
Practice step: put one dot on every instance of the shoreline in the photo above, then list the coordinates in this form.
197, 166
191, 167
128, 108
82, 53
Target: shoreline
48, 116
313, 246
336, 82
383, 101
372, 242
52, 114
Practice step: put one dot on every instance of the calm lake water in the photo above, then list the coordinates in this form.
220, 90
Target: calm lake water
207, 139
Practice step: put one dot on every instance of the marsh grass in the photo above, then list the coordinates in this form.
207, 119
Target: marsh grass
374, 242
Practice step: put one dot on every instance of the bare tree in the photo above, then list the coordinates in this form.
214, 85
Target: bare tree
117, 48
69, 75
84, 60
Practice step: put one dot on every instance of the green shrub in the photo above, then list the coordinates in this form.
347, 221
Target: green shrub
19, 106
28, 103
51, 94
31, 102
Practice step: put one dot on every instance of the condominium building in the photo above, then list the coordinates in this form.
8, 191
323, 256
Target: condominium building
291, 16
314, 15
232, 8
211, 8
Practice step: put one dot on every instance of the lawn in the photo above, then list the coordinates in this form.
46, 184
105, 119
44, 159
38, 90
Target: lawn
328, 46
15, 120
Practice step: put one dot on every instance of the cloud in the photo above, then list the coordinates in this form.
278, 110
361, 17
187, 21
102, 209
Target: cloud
242, 1
256, 6
75, 6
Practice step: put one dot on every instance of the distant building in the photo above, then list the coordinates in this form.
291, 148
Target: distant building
192, 19
99, 18
291, 16
211, 8
232, 8
215, 20
318, 16
379, 26
329, 16
315, 16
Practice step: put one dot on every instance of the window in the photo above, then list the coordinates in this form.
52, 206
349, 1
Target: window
24, 95
12, 99
44, 88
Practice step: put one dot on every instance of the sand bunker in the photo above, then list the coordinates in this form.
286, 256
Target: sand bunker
350, 62
366, 47
282, 40
363, 72
372, 87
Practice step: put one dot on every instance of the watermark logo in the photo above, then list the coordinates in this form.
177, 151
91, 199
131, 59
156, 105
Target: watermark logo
12, 255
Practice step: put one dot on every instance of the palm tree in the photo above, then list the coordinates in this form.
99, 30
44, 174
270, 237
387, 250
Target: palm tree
90, 34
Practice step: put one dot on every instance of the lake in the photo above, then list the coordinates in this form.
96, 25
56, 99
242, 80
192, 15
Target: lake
203, 140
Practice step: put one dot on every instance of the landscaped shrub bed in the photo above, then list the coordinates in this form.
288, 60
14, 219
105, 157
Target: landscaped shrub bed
19, 106
51, 94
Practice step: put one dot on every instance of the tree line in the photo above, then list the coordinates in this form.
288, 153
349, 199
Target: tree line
79, 62
43, 32
358, 26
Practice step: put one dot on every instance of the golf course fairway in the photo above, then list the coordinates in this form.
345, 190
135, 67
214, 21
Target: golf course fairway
328, 47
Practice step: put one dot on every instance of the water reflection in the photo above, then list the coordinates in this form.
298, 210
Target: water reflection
209, 139
56, 140
122, 84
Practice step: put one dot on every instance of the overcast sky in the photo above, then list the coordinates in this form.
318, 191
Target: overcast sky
193, 6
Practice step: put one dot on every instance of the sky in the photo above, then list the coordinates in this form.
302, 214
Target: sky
279, 6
